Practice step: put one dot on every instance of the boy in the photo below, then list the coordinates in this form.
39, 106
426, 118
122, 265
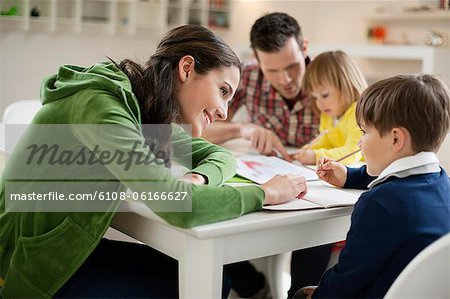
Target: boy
404, 120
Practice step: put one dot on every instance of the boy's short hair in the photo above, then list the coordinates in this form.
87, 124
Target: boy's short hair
420, 103
337, 69
270, 32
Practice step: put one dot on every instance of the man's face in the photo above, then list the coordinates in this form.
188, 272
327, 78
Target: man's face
284, 69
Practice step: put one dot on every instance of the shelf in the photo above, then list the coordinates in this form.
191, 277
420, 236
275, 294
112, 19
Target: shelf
424, 59
432, 15
116, 16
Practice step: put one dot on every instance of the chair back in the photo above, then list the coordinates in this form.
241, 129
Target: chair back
427, 275
444, 154
20, 112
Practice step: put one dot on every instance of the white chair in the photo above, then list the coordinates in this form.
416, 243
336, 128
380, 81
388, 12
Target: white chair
2, 160
20, 112
427, 275
444, 154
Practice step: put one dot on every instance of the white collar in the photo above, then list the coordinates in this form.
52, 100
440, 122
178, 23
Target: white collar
421, 163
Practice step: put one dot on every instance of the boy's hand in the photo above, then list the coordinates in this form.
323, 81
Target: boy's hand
332, 172
282, 188
263, 140
305, 156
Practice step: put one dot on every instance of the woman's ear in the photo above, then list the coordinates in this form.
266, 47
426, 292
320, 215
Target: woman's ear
185, 67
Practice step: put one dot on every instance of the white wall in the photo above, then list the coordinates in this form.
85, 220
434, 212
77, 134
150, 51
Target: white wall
27, 57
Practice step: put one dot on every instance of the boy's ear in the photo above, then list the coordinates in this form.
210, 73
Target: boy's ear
400, 139
185, 67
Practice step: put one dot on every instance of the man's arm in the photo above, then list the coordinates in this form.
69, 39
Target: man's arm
221, 131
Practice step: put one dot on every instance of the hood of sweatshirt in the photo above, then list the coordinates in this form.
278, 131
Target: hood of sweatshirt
70, 79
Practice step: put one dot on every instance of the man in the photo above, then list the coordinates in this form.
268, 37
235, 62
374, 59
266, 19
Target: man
280, 115
270, 90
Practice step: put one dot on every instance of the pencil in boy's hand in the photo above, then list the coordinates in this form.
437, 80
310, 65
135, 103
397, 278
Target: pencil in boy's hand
314, 141
348, 155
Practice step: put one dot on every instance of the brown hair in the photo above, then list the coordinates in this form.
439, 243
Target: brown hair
154, 83
339, 71
420, 103
269, 33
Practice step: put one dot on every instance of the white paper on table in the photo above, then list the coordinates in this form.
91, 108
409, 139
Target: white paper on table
318, 197
260, 169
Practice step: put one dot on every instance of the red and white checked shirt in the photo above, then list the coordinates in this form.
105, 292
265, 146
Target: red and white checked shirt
267, 108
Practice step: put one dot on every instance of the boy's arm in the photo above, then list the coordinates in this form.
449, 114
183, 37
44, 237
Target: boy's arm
358, 178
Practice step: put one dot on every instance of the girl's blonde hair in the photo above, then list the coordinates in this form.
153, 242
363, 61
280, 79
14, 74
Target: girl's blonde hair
338, 70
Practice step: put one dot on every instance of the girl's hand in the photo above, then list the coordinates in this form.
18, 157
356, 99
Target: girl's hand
332, 172
194, 178
305, 156
282, 188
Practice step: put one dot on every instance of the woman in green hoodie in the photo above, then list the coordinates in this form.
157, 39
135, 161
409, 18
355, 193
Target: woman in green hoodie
53, 249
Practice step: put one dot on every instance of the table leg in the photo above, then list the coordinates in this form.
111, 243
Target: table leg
200, 269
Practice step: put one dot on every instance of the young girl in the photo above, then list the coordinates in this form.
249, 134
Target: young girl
103, 108
333, 83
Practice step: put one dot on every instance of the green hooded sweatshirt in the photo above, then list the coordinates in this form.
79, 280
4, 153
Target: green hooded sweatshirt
40, 251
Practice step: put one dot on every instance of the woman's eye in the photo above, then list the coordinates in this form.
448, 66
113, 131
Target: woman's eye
325, 95
223, 91
362, 131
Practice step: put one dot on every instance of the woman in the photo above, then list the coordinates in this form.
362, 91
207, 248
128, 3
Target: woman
189, 79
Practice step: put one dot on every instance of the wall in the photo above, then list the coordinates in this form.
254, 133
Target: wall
27, 57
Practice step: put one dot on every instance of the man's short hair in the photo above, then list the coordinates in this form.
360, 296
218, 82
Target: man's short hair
420, 103
270, 32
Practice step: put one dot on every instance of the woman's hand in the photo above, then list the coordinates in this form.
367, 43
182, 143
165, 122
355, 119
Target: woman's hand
332, 172
305, 156
284, 187
263, 140
194, 178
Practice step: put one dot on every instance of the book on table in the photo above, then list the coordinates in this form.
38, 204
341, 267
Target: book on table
318, 197
260, 169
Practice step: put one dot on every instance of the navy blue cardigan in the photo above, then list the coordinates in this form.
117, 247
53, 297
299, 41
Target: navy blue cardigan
391, 223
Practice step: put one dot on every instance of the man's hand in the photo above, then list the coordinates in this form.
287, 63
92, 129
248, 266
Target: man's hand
263, 140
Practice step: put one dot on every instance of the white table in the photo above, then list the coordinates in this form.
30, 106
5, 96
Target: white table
202, 251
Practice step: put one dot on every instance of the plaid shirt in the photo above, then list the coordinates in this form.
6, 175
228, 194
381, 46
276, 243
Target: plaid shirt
267, 108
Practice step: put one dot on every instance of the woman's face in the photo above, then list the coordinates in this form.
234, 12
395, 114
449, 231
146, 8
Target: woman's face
204, 98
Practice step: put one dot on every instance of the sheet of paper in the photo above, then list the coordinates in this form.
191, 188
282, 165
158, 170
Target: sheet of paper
318, 197
261, 169
330, 196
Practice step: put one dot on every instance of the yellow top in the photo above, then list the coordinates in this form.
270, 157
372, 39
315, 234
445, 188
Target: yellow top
341, 139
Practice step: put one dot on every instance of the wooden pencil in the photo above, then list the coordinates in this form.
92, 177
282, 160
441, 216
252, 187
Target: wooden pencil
348, 155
